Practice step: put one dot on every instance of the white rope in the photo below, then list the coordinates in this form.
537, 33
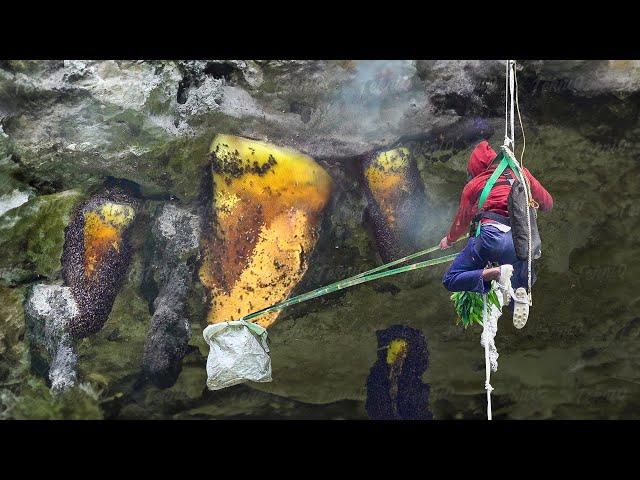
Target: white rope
509, 103
506, 105
487, 361
526, 186
524, 138
490, 327
490, 315
490, 319
512, 64
511, 98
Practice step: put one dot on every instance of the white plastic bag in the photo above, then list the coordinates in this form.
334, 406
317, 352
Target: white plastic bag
238, 352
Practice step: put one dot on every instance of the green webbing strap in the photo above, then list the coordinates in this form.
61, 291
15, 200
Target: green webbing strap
492, 180
363, 277
504, 163
404, 259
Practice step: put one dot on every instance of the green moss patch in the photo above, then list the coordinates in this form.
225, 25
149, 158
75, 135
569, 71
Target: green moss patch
32, 236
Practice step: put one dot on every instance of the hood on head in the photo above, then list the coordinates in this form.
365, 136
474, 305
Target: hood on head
480, 158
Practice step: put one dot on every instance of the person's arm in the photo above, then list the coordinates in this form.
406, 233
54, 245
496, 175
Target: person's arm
466, 211
539, 193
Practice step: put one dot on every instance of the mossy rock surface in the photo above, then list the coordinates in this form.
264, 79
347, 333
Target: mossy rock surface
32, 236
13, 361
37, 402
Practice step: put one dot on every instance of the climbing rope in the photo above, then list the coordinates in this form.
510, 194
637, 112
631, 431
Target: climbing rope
523, 179
524, 138
506, 105
527, 191
509, 141
490, 315
512, 82
487, 359
364, 277
509, 146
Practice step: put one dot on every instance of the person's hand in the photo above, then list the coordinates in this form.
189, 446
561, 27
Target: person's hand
444, 244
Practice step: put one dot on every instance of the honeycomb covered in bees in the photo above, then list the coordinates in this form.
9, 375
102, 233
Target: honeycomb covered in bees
96, 255
395, 194
264, 221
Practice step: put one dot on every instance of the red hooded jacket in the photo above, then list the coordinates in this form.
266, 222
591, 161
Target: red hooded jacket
480, 169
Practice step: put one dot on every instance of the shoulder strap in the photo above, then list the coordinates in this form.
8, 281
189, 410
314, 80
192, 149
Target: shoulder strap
504, 163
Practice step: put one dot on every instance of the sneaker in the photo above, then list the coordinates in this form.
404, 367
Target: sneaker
504, 282
520, 308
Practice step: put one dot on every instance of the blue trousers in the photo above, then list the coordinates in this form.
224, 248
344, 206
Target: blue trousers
492, 245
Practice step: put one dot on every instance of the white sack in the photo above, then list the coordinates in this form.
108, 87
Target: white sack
238, 352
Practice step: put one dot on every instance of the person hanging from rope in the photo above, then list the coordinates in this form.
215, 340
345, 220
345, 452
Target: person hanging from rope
470, 271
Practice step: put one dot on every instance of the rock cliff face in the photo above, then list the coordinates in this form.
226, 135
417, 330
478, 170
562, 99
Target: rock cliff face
71, 130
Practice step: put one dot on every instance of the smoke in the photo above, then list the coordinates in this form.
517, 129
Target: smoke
377, 95
375, 80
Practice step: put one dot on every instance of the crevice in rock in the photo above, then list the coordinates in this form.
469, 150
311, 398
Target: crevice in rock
302, 109
461, 104
193, 77
183, 89
27, 175
132, 188
221, 70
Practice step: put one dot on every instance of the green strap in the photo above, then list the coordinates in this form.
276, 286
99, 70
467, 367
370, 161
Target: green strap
364, 277
506, 161
404, 259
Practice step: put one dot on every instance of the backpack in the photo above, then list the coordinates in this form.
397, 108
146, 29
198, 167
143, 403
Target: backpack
517, 207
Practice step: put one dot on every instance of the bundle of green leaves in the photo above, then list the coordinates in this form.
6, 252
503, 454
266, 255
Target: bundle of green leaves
468, 306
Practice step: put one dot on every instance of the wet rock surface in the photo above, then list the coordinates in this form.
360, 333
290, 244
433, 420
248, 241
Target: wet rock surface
66, 127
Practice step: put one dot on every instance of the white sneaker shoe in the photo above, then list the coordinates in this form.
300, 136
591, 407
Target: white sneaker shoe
504, 282
520, 308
